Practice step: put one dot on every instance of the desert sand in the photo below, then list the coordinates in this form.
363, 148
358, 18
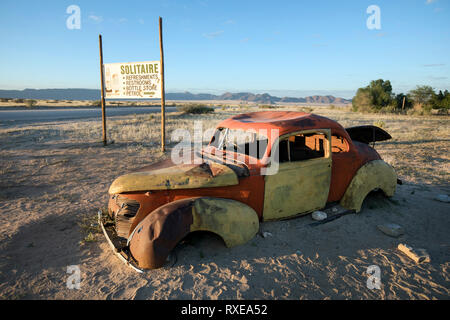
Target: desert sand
54, 178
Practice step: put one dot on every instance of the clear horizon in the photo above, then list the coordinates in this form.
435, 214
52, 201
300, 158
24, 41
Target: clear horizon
293, 48
276, 93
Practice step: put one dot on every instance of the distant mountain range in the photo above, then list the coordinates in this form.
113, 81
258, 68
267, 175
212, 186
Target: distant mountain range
93, 94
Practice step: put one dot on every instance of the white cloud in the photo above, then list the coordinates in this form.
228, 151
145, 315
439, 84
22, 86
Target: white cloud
141, 21
430, 1
212, 35
96, 19
122, 20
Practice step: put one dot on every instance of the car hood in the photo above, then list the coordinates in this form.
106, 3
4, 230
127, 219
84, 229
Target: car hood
165, 175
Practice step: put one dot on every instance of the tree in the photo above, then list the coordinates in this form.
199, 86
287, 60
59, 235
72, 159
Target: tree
362, 101
381, 92
441, 100
376, 95
422, 95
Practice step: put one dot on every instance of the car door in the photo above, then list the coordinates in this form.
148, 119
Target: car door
302, 182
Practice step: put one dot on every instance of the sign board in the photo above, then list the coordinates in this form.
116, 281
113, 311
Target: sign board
132, 80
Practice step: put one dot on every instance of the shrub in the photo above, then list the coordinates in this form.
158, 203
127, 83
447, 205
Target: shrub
379, 123
19, 100
96, 103
421, 109
4, 99
195, 108
267, 106
388, 109
29, 103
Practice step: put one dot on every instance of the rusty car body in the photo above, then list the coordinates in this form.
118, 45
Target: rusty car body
319, 162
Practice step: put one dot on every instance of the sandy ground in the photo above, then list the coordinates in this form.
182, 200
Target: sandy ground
54, 177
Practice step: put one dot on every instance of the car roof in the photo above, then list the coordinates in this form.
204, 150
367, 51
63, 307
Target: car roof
284, 121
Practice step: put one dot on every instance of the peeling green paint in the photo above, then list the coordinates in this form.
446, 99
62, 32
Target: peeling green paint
374, 174
175, 177
299, 186
232, 220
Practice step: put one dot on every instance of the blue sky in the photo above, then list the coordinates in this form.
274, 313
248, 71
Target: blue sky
294, 48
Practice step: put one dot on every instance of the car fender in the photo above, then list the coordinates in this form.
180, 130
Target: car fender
157, 234
375, 174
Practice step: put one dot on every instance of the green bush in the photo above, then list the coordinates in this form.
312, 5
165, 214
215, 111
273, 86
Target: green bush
378, 94
195, 109
29, 103
379, 123
378, 97
96, 103
267, 106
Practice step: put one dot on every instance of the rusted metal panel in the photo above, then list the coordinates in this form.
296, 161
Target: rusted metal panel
159, 233
117, 251
285, 121
156, 235
250, 191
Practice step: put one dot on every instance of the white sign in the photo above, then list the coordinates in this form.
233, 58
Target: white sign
132, 80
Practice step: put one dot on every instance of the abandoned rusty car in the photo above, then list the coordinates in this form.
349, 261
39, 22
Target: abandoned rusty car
310, 162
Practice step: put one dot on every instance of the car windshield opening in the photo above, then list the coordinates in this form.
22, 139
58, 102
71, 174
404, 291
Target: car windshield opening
246, 142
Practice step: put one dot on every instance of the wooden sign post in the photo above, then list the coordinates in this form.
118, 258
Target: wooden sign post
103, 90
134, 80
163, 99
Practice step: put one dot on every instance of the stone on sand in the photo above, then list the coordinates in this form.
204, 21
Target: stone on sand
319, 215
391, 229
443, 198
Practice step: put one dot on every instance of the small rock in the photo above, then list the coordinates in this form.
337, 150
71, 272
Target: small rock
319, 215
391, 229
298, 252
418, 255
442, 198
334, 209
266, 234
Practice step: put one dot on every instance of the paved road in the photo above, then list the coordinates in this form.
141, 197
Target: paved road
17, 117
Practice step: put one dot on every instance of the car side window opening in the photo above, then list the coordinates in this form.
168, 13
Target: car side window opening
339, 144
301, 147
